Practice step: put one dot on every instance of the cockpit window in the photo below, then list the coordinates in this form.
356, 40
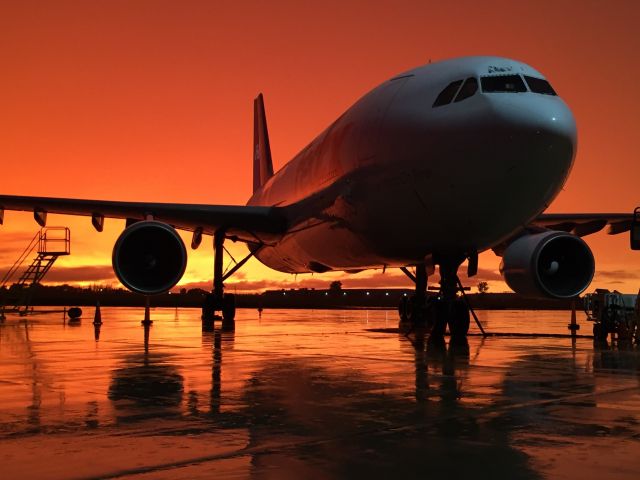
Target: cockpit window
448, 93
468, 89
503, 83
538, 85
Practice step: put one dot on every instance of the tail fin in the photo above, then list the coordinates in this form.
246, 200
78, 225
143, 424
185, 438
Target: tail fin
262, 164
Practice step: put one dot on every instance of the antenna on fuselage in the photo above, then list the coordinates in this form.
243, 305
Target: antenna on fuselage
262, 163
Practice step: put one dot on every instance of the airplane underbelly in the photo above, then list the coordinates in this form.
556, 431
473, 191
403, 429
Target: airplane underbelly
319, 249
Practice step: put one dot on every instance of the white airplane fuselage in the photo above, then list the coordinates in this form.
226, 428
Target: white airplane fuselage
395, 180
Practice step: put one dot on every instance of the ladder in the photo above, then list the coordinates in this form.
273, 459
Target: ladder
49, 244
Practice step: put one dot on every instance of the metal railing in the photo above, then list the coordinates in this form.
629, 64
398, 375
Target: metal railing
55, 241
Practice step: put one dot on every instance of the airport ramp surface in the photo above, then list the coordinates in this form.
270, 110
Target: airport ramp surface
311, 394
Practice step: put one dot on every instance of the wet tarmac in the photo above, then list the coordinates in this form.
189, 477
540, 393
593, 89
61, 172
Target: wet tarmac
311, 395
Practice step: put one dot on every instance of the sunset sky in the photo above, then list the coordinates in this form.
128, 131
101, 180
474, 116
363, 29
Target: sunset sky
153, 101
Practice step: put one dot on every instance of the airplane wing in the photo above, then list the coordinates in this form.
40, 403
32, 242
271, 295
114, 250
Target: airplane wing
249, 224
579, 224
582, 224
252, 224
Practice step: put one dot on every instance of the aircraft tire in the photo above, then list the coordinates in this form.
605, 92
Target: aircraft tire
403, 309
229, 307
208, 308
440, 313
414, 311
459, 320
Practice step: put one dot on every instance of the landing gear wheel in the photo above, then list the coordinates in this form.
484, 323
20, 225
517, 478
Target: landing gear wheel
208, 308
228, 310
412, 312
439, 312
459, 319
403, 309
416, 311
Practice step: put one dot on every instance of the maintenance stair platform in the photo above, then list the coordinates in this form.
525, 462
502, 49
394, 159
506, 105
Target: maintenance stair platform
49, 244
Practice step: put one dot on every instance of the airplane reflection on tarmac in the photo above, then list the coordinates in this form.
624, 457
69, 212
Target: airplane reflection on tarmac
436, 353
344, 425
213, 338
150, 382
322, 404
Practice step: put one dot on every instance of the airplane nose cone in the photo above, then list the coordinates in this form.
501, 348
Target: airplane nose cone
527, 143
545, 118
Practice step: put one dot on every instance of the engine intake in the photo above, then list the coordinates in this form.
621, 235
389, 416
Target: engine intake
149, 257
549, 264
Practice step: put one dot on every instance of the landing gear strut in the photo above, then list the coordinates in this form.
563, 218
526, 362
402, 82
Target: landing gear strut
455, 310
413, 310
436, 313
217, 300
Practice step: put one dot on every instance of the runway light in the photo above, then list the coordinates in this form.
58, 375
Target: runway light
367, 293
387, 294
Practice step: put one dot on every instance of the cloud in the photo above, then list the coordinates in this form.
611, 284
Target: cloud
484, 275
239, 275
15, 239
88, 273
368, 279
13, 244
617, 275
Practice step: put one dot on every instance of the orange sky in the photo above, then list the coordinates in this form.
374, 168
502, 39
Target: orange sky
152, 101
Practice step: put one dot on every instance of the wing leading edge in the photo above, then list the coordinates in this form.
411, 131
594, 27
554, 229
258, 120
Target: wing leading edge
250, 224
255, 224
579, 224
582, 224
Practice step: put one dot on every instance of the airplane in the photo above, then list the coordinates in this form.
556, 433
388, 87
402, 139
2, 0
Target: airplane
430, 168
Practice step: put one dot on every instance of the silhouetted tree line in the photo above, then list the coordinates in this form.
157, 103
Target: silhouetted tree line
334, 297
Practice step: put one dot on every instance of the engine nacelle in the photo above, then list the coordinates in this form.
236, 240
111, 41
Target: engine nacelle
549, 264
149, 257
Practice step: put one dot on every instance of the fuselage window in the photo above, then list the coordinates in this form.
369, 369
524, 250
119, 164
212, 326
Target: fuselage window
538, 85
448, 93
468, 89
503, 83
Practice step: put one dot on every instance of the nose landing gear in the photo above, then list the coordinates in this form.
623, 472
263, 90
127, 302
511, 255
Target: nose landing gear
434, 314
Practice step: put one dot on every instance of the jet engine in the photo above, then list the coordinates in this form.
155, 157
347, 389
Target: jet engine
549, 264
149, 257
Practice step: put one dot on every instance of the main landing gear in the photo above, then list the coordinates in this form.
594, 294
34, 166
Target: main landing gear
217, 300
435, 314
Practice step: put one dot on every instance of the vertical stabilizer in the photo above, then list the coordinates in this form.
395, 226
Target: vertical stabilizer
262, 164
